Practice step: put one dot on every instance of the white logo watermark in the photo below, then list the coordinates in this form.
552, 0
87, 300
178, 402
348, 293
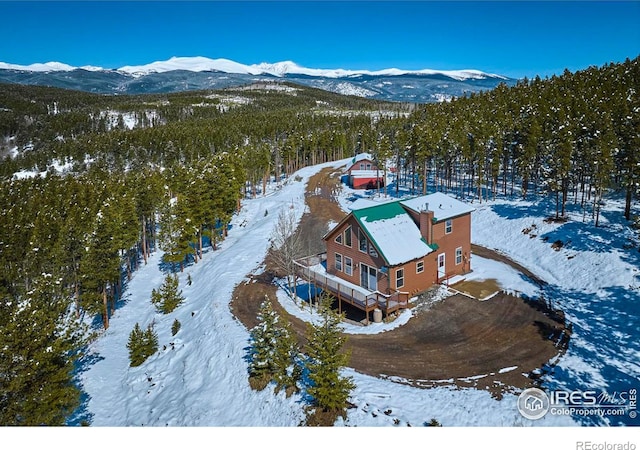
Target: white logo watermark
534, 403
589, 445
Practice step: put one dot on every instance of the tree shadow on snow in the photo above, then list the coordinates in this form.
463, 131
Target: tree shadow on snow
518, 211
603, 347
82, 416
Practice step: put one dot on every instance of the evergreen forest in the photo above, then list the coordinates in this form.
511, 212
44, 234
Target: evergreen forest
92, 184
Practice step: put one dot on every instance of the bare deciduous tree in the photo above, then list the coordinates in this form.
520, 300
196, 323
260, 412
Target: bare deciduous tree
286, 245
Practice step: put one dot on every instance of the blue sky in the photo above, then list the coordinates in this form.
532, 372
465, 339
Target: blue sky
509, 38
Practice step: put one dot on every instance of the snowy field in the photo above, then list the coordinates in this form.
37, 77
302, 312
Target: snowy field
198, 378
593, 278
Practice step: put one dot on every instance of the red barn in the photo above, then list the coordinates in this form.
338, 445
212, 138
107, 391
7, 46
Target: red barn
364, 173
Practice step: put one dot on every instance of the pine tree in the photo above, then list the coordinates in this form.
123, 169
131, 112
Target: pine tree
286, 370
39, 342
176, 231
168, 297
100, 264
142, 344
274, 352
263, 339
150, 340
607, 145
148, 198
329, 389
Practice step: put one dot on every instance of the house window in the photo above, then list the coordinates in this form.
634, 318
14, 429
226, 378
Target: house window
448, 226
363, 241
368, 166
338, 239
347, 236
399, 278
458, 255
348, 266
372, 250
361, 166
420, 267
339, 262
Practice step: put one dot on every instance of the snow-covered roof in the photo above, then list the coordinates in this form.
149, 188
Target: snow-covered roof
369, 202
393, 232
367, 173
359, 157
443, 206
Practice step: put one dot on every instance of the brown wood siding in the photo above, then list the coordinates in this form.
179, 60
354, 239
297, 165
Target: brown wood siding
460, 236
414, 283
356, 166
414, 215
355, 254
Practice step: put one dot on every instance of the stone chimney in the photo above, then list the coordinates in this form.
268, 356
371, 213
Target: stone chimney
426, 223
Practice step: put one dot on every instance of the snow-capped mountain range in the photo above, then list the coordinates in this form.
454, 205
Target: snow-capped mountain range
202, 64
183, 73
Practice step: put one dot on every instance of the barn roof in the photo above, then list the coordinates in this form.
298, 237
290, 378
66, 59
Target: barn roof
359, 157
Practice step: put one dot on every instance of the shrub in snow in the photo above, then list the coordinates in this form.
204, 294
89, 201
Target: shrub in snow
175, 327
168, 297
141, 345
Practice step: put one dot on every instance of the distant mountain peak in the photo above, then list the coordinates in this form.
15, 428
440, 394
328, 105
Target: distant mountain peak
52, 66
280, 68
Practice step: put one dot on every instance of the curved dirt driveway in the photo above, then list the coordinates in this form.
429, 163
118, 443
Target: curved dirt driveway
456, 341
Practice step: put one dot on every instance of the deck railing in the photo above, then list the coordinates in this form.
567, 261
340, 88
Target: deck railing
388, 303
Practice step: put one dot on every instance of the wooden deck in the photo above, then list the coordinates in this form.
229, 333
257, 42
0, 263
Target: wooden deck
313, 269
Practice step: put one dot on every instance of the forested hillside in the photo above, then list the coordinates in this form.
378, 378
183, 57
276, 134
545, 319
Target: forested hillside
574, 136
91, 184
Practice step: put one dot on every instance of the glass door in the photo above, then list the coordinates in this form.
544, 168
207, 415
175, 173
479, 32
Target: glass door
368, 277
441, 267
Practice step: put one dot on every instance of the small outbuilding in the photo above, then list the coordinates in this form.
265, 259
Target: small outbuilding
363, 173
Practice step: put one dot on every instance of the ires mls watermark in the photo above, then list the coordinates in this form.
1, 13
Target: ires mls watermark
534, 403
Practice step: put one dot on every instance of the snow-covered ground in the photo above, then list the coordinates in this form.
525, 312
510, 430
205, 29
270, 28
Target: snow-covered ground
56, 166
593, 278
199, 376
508, 278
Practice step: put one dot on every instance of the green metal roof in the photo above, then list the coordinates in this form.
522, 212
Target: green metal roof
396, 233
380, 212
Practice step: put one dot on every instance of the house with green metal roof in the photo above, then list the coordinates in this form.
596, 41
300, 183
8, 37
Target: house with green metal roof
392, 251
